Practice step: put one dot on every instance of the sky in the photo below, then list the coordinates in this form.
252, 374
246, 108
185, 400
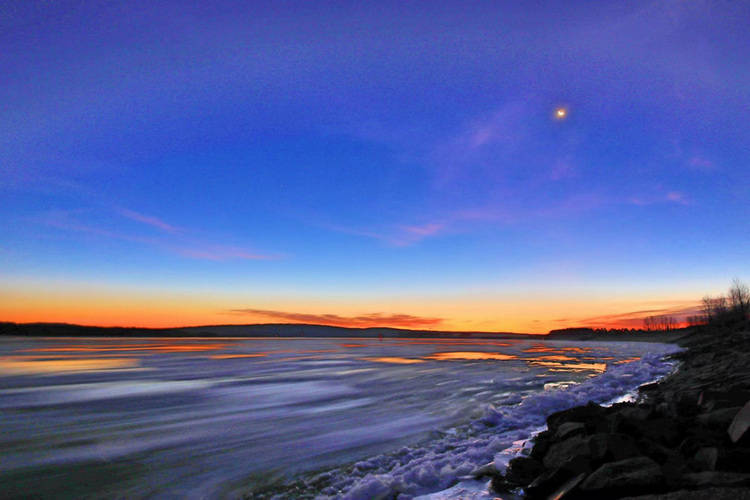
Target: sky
372, 163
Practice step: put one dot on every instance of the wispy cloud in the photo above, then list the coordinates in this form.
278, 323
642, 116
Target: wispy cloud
221, 253
475, 149
361, 321
634, 319
149, 220
175, 240
700, 163
652, 199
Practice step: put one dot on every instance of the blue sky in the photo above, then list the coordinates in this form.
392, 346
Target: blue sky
389, 151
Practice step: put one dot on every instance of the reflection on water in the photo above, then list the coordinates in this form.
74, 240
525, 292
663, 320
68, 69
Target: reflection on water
395, 360
546, 348
628, 360
553, 357
573, 367
17, 365
164, 348
470, 355
233, 356
134, 418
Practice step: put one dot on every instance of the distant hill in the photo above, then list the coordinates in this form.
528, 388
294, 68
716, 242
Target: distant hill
261, 330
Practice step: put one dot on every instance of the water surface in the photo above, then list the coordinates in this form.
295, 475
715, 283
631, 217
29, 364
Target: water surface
200, 418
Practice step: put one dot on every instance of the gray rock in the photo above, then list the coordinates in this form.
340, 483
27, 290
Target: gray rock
637, 473
585, 414
555, 480
559, 453
705, 458
569, 429
663, 430
740, 423
612, 447
567, 487
711, 493
485, 470
523, 470
715, 478
719, 418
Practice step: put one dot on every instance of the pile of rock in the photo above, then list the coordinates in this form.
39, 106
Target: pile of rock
685, 437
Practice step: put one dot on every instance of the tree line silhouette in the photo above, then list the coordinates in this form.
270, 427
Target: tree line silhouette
722, 310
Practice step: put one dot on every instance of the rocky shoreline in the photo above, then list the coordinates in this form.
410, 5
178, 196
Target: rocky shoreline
682, 439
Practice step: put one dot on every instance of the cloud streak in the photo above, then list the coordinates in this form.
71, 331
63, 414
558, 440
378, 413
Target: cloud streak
173, 241
149, 220
368, 320
634, 319
220, 253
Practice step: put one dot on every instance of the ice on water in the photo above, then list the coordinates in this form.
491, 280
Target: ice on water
207, 417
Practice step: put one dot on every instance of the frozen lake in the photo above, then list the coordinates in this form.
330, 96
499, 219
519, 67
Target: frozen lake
205, 418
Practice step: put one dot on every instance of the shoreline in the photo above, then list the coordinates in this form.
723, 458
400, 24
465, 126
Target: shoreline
671, 443
512, 428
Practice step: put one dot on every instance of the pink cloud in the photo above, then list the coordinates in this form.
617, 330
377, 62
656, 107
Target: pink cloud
149, 220
369, 320
700, 163
677, 197
424, 230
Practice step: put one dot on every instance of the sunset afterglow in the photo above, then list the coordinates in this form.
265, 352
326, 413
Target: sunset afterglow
418, 166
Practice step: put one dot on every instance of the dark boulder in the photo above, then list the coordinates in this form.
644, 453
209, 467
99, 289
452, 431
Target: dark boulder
555, 479
717, 399
715, 478
569, 429
542, 442
740, 423
705, 459
589, 414
485, 470
663, 430
632, 475
734, 459
611, 447
523, 470
721, 418
559, 453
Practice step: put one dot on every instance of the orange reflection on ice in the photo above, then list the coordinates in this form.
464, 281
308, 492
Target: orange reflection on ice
24, 365
233, 356
453, 342
555, 357
395, 360
628, 360
573, 367
557, 350
133, 347
470, 355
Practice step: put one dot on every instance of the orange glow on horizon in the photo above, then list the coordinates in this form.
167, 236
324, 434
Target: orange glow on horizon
533, 314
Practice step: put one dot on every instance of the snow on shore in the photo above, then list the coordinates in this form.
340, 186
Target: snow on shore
432, 470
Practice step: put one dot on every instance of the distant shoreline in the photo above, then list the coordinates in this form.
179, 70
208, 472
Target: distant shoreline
287, 330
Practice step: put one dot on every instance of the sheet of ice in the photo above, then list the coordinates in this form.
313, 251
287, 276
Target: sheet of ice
207, 417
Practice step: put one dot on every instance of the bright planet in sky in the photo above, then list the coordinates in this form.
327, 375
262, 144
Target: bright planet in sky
399, 164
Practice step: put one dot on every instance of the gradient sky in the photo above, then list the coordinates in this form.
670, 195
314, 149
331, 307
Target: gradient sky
371, 163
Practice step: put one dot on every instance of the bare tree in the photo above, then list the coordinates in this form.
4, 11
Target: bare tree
659, 323
696, 320
708, 308
739, 298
